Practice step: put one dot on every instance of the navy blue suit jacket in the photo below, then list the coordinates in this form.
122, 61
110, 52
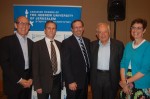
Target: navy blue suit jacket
74, 66
12, 63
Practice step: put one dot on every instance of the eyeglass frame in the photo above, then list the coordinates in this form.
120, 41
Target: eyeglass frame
23, 23
136, 28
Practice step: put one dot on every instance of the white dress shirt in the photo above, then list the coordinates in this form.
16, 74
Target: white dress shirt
48, 43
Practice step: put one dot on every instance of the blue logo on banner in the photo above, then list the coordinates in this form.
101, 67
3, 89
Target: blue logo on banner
38, 15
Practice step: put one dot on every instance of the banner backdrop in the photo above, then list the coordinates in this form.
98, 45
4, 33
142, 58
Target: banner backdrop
39, 14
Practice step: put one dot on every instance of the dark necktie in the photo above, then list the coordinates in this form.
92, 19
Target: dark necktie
53, 58
85, 55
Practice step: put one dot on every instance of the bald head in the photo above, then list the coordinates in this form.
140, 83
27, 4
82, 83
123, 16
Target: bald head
20, 18
22, 25
99, 25
103, 32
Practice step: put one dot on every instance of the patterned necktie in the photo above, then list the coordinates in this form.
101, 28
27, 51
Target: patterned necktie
53, 58
84, 52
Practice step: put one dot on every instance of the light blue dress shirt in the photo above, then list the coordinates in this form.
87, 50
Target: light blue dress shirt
24, 46
103, 56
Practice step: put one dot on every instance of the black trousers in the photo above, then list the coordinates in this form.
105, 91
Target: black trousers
24, 93
103, 89
80, 93
56, 89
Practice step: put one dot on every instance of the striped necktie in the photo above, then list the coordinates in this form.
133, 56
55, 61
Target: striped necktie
85, 55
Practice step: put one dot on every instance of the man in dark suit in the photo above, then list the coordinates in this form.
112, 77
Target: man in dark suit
15, 60
46, 71
76, 62
106, 54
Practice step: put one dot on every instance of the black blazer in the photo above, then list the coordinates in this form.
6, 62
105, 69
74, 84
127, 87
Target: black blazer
74, 67
116, 52
12, 63
42, 66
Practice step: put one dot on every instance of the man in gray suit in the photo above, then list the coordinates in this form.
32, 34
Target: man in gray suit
46, 72
106, 56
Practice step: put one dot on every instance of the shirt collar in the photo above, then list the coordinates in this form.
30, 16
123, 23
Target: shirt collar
78, 37
108, 42
20, 37
48, 40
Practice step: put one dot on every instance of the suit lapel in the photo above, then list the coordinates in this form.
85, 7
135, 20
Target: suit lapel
75, 43
29, 49
111, 52
96, 48
17, 46
58, 44
45, 49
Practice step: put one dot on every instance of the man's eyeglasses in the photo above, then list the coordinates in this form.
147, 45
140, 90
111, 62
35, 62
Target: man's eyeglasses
23, 23
136, 28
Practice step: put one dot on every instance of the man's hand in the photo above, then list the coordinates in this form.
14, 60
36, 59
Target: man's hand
39, 91
25, 83
73, 86
30, 81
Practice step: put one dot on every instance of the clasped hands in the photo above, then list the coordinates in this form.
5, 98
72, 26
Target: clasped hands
125, 87
26, 83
